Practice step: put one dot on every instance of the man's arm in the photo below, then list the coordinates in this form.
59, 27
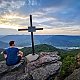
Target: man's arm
20, 53
5, 54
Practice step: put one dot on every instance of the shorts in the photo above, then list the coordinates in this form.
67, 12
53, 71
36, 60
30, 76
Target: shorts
10, 64
19, 58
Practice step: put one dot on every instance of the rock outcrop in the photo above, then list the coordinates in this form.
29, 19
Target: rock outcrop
78, 58
74, 76
76, 73
46, 65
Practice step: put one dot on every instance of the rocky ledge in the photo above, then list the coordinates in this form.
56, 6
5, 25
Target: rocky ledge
46, 65
74, 76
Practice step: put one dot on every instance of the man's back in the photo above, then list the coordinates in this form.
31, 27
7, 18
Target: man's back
12, 56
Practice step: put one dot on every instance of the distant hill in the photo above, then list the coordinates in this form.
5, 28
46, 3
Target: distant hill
1, 36
64, 41
39, 48
21, 40
24, 40
1, 50
54, 40
3, 44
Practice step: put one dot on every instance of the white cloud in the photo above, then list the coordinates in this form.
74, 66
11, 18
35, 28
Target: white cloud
11, 5
52, 9
14, 21
6, 31
42, 19
32, 2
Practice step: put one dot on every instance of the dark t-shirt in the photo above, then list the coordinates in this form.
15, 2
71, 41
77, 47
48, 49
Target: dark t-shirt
12, 56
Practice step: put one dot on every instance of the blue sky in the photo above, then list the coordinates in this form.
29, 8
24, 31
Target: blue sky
55, 16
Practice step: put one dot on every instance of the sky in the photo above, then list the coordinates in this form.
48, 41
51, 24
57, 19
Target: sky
57, 17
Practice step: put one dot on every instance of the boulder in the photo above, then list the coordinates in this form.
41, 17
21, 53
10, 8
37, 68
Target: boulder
44, 72
78, 58
46, 65
74, 76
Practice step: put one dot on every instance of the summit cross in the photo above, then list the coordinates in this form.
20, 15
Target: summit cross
31, 29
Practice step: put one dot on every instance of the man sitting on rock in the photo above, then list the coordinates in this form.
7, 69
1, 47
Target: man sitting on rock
12, 54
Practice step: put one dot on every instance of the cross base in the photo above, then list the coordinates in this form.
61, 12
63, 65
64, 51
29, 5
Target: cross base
31, 57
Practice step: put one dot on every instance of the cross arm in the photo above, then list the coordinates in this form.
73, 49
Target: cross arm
22, 29
39, 28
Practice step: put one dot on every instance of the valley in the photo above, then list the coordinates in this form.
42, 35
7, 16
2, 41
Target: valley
59, 41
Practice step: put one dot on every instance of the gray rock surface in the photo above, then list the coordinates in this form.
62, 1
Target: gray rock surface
74, 76
47, 64
43, 73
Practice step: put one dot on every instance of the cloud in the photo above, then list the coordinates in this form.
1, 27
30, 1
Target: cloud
59, 16
4, 31
64, 10
10, 5
33, 2
14, 21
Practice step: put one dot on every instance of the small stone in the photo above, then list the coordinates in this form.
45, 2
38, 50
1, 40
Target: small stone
31, 57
